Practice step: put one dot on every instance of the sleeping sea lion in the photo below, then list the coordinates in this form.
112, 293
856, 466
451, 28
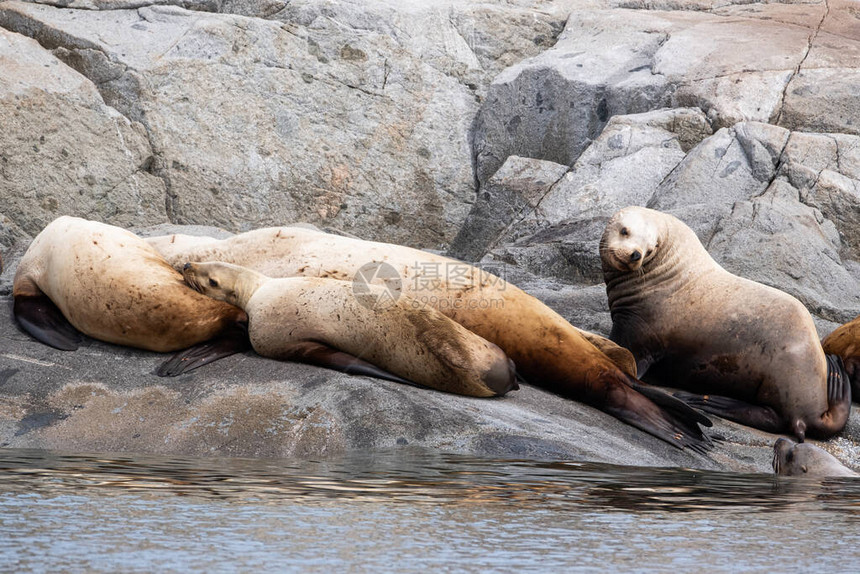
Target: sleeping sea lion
288, 318
103, 281
692, 324
547, 350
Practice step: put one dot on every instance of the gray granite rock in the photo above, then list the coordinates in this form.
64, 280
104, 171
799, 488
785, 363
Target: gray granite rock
63, 151
770, 62
393, 120
343, 113
631, 157
512, 194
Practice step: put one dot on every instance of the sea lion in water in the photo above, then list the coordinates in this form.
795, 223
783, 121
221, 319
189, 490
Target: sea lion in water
103, 281
287, 317
844, 341
547, 350
692, 324
805, 459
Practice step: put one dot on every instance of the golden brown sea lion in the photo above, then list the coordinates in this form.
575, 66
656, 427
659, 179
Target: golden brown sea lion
692, 324
548, 351
414, 342
106, 282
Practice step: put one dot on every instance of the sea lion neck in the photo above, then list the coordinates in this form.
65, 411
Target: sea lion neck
246, 284
667, 269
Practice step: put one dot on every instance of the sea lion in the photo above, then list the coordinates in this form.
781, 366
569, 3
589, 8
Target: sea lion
844, 341
547, 350
805, 459
289, 316
692, 324
278, 260
81, 276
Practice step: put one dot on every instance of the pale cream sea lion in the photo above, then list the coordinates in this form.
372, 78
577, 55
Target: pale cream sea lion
103, 281
805, 459
273, 260
691, 324
292, 317
547, 350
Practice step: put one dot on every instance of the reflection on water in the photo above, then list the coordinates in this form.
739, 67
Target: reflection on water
410, 511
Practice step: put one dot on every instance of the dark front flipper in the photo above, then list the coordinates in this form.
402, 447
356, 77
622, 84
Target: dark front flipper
838, 401
314, 353
44, 321
231, 341
676, 425
756, 416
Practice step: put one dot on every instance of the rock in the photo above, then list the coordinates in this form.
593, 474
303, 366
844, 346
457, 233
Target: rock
336, 113
777, 240
825, 169
63, 151
764, 62
513, 192
395, 120
104, 398
734, 164
622, 167
774, 206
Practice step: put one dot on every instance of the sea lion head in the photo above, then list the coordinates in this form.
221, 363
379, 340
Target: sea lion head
223, 281
805, 459
629, 240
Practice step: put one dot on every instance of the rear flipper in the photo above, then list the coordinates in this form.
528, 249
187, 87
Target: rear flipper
231, 341
675, 424
672, 404
322, 355
40, 318
756, 416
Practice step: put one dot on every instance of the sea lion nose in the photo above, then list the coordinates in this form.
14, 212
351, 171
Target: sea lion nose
186, 267
636, 256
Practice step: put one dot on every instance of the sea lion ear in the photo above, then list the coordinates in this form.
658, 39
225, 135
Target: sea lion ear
803, 468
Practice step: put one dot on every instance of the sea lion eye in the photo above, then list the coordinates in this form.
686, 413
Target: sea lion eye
624, 232
213, 283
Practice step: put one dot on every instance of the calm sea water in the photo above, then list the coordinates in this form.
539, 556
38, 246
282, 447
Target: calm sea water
412, 511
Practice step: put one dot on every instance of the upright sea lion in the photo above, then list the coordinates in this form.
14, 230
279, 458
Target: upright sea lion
805, 459
288, 318
106, 282
548, 351
844, 341
692, 324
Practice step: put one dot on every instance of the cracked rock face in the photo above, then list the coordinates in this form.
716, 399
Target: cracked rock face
778, 63
63, 150
331, 112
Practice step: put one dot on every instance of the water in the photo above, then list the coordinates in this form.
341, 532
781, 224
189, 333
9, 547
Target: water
412, 511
